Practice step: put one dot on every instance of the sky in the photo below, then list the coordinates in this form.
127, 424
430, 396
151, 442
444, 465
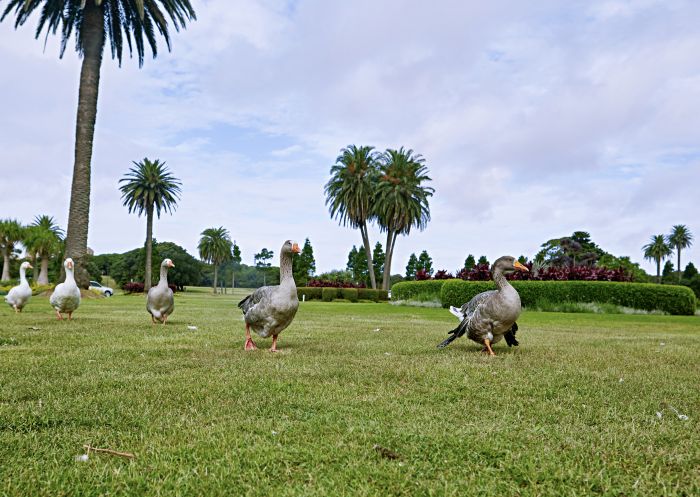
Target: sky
535, 119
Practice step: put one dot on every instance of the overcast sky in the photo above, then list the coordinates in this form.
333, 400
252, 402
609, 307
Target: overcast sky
536, 119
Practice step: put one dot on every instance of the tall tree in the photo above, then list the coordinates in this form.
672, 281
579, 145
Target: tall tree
680, 238
350, 193
425, 262
94, 22
483, 261
402, 199
149, 187
11, 233
411, 267
236, 259
215, 248
43, 238
469, 262
304, 264
378, 260
261, 259
657, 250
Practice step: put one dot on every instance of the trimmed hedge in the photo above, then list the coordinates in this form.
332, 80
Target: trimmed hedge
405, 290
328, 294
647, 296
312, 293
350, 294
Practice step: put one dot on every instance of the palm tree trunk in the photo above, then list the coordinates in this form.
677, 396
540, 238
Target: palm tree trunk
368, 252
216, 275
43, 278
5, 264
679, 264
93, 38
390, 241
658, 270
149, 249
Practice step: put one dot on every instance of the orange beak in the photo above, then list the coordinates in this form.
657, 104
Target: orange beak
172, 264
30, 266
520, 267
296, 249
70, 265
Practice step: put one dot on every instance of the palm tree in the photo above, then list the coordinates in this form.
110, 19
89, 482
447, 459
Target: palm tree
43, 240
657, 250
147, 187
402, 200
215, 248
350, 192
93, 22
680, 238
11, 232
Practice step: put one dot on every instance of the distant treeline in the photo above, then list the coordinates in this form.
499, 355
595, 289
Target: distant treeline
188, 271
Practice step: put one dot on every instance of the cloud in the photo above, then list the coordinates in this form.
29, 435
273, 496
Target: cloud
535, 121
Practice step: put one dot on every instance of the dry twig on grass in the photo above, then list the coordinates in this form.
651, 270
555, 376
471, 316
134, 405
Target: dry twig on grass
128, 455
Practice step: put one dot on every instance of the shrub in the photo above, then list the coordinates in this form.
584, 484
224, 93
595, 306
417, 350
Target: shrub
39, 289
133, 287
312, 293
382, 295
410, 290
646, 296
367, 294
350, 294
329, 293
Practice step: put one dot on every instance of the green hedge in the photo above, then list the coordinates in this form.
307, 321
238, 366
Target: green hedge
328, 294
406, 290
312, 293
647, 296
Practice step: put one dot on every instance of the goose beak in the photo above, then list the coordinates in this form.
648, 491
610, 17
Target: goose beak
296, 249
69, 265
171, 264
29, 266
520, 267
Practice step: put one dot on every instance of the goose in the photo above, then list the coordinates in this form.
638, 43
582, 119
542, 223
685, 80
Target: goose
491, 315
270, 309
66, 296
19, 295
160, 301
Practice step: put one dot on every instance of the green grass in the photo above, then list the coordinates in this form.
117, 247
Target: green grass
572, 411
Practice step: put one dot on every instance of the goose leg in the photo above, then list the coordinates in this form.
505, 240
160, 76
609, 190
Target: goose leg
58, 314
15, 306
70, 316
153, 320
249, 343
487, 344
165, 318
274, 344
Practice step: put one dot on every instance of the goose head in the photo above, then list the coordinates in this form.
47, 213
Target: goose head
25, 265
290, 246
507, 265
167, 263
68, 264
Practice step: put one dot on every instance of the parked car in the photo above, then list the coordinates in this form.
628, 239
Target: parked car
105, 290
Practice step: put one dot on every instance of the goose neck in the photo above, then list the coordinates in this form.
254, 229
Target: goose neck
286, 267
23, 276
163, 276
500, 279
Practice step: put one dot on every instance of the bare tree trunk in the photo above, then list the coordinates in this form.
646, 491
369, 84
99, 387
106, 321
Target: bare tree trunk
149, 249
679, 265
390, 242
93, 38
43, 278
368, 252
658, 270
216, 275
5, 265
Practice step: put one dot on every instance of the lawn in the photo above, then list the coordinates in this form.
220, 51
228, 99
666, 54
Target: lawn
357, 402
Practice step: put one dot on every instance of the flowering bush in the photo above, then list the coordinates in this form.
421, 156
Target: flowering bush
443, 275
317, 283
482, 272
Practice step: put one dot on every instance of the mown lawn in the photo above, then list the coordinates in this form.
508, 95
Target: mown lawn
572, 411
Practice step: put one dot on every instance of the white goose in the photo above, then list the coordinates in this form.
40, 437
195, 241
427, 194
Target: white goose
160, 302
19, 295
66, 296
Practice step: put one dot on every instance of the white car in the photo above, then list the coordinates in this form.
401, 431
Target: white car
105, 290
